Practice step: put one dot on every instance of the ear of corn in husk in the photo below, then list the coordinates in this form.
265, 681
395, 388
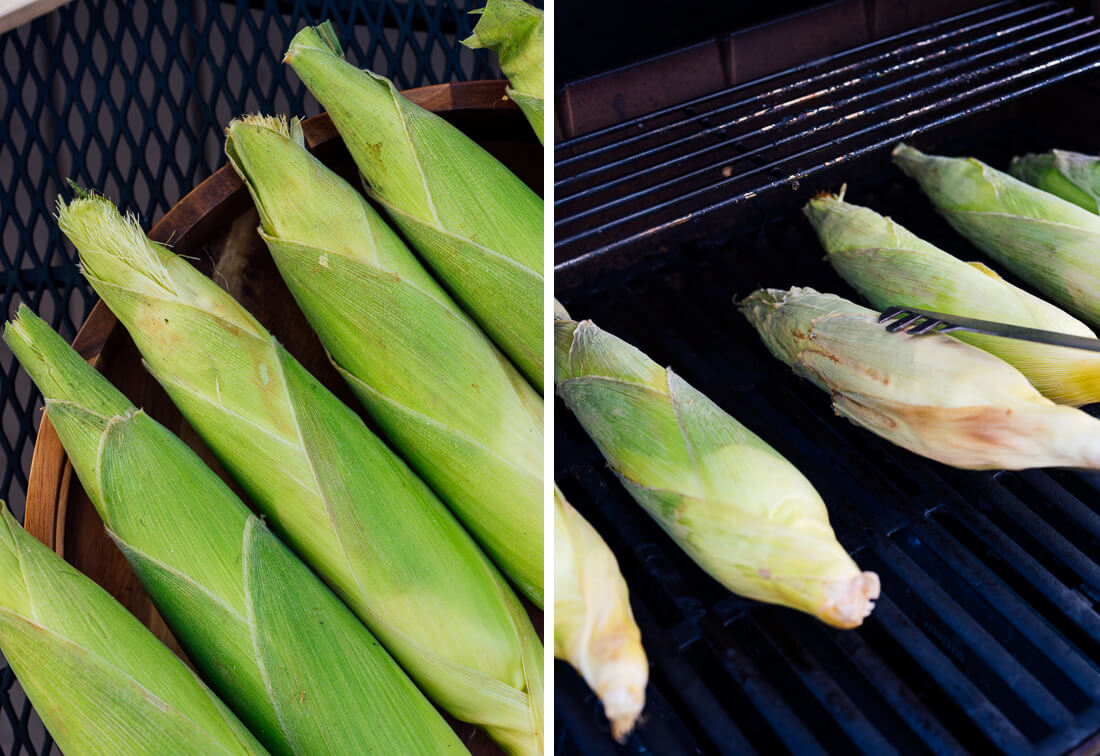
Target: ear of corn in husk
888, 265
347, 504
514, 31
1070, 175
594, 629
1052, 244
446, 398
930, 394
101, 682
280, 649
736, 506
478, 227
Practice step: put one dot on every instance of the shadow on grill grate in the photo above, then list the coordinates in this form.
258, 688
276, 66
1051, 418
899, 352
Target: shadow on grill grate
987, 637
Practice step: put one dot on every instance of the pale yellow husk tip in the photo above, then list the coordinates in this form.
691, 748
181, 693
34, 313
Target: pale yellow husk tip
594, 628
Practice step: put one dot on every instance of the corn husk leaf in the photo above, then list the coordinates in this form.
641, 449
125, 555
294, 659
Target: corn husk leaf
594, 628
1052, 244
1070, 175
888, 265
346, 503
514, 31
930, 394
279, 648
477, 226
101, 682
731, 502
445, 397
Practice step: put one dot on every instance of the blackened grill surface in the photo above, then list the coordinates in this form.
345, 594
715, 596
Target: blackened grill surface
663, 177
987, 636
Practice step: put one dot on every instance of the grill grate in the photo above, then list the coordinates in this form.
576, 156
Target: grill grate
987, 637
663, 175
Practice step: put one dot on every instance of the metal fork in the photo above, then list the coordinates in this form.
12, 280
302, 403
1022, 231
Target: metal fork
916, 322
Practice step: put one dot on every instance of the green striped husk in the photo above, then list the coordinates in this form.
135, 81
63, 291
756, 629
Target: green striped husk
102, 683
456, 409
930, 394
514, 31
745, 514
594, 629
1052, 244
890, 266
280, 649
478, 227
346, 503
1070, 175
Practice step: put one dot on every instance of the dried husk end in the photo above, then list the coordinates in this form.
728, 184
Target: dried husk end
848, 602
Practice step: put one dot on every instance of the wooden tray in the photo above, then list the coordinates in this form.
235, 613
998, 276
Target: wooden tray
215, 225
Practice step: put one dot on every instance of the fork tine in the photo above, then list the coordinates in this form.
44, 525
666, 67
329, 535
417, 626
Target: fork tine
890, 313
903, 323
928, 325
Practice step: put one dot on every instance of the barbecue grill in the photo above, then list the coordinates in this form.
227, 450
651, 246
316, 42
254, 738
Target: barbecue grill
679, 186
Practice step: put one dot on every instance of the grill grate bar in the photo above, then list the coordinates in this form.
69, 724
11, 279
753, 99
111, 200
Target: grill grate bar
1026, 568
795, 120
878, 143
1013, 513
796, 98
689, 198
1007, 604
896, 693
970, 644
819, 684
941, 668
827, 62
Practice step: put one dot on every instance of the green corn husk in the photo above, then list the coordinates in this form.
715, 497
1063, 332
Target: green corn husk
930, 394
347, 504
1070, 175
514, 31
478, 227
594, 629
738, 508
888, 265
457, 410
102, 683
279, 648
1050, 243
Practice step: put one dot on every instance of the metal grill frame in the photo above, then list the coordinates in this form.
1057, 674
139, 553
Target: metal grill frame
668, 174
987, 638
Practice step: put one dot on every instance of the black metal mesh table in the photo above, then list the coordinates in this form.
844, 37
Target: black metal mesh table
131, 99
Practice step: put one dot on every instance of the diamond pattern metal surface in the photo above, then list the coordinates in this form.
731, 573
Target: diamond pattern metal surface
131, 99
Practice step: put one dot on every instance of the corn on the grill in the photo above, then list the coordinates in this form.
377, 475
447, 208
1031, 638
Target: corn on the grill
594, 629
931, 394
279, 648
478, 227
347, 504
1052, 244
98, 678
735, 505
514, 31
1070, 175
888, 265
446, 398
